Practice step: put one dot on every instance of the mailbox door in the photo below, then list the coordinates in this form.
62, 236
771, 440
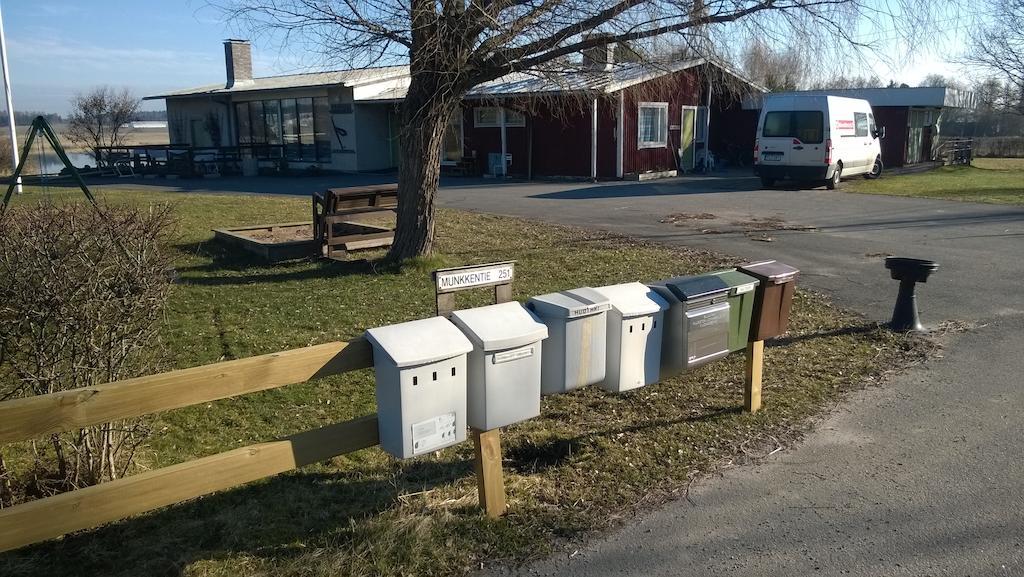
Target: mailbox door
771, 312
512, 387
433, 406
585, 352
635, 358
707, 334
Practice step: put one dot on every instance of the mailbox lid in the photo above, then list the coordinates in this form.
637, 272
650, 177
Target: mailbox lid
570, 304
770, 271
738, 282
420, 342
697, 287
633, 299
501, 326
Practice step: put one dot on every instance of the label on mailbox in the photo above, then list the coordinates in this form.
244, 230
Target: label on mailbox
453, 279
589, 310
743, 288
515, 355
433, 433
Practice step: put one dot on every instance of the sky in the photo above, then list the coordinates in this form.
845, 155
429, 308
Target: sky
59, 47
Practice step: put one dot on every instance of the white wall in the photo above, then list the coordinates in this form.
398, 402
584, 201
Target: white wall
374, 137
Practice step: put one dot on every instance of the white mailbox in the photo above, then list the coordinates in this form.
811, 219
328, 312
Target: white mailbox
634, 336
420, 368
504, 366
574, 352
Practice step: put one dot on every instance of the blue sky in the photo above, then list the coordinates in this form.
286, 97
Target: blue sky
58, 47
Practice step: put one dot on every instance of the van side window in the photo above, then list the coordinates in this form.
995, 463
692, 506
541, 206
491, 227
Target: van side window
805, 125
860, 121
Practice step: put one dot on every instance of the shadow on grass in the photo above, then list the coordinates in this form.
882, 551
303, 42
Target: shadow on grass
264, 519
843, 331
531, 458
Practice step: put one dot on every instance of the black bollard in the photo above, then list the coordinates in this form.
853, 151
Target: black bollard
909, 271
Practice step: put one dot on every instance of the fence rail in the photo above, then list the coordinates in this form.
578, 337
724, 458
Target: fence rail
41, 415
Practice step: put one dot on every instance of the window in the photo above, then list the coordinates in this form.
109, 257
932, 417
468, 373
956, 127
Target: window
804, 125
294, 128
487, 117
652, 125
860, 122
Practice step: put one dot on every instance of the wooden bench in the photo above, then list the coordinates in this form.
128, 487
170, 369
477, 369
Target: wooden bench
334, 208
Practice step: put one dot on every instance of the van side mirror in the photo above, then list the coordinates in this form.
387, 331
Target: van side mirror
879, 132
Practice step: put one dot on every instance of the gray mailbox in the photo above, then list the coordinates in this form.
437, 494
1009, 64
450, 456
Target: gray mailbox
574, 352
504, 366
703, 318
634, 336
420, 367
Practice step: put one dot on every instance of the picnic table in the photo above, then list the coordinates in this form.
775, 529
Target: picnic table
333, 212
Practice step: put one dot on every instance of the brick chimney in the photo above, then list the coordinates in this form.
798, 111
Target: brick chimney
238, 61
600, 57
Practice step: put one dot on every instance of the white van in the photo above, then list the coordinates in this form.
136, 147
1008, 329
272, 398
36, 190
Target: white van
816, 137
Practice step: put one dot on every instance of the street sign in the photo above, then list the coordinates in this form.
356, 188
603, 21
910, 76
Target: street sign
454, 279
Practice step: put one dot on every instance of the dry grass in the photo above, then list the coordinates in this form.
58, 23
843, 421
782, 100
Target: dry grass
591, 460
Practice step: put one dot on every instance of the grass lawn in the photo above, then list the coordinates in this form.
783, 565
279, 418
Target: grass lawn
591, 460
995, 180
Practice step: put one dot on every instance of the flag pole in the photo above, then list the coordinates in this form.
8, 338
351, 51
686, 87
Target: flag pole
10, 101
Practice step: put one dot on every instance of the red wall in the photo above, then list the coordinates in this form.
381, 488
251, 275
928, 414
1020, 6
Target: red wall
561, 134
682, 88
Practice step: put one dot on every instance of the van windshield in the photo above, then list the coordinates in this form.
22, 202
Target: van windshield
805, 125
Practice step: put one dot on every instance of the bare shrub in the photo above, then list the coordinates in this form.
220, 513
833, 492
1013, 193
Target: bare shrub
82, 291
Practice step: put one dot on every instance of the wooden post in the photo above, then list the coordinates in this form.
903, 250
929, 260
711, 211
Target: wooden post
490, 483
752, 384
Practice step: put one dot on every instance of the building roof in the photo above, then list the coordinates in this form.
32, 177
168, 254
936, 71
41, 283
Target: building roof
924, 96
621, 76
357, 77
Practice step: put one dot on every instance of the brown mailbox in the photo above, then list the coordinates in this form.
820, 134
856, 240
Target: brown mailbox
774, 297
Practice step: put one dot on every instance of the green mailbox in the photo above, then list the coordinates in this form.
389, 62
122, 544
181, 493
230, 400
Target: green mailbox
741, 306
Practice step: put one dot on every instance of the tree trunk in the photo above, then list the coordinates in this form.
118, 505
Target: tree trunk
425, 114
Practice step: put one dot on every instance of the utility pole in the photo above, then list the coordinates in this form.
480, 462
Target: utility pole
10, 101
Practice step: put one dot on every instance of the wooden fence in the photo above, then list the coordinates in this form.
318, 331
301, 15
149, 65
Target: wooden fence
33, 417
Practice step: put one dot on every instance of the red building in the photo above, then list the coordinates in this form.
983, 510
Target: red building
569, 125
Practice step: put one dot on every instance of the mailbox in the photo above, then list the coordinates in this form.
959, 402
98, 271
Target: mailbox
574, 352
742, 294
774, 297
420, 368
504, 366
634, 336
696, 323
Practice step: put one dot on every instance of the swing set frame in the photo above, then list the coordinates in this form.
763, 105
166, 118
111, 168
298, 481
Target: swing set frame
40, 126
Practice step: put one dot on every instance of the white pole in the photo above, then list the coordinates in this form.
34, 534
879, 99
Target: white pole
504, 167
593, 140
10, 100
620, 143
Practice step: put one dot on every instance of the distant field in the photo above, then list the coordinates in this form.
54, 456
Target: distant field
132, 137
992, 180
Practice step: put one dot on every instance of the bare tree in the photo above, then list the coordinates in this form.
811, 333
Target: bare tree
453, 45
98, 117
999, 47
778, 71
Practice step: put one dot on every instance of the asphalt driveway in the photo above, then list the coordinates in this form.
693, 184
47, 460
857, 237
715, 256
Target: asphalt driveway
924, 476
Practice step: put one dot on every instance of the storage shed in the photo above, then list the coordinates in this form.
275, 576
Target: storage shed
912, 117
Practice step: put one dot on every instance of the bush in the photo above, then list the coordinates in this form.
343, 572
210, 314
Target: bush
82, 291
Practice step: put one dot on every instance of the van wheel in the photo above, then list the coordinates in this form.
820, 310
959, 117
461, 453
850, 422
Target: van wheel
767, 182
834, 181
876, 169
